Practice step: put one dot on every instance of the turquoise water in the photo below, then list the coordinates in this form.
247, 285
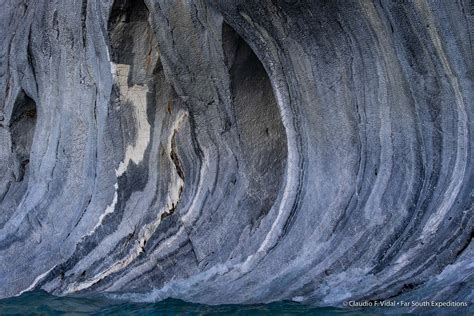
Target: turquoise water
41, 303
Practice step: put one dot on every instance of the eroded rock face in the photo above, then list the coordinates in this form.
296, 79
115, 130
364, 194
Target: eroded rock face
237, 151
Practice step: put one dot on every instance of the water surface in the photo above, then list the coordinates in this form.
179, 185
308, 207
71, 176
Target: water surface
42, 303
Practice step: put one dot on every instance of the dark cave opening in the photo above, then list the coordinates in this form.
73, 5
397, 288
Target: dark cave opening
132, 40
125, 23
22, 128
260, 128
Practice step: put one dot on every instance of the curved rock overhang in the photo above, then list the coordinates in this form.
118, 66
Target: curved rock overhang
303, 150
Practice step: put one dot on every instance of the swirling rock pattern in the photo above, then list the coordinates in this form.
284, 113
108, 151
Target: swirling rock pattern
237, 151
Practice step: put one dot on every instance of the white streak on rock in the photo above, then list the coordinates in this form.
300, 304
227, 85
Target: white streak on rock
110, 209
174, 194
136, 95
39, 278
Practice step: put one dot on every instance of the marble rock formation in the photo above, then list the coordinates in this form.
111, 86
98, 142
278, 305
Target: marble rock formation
237, 151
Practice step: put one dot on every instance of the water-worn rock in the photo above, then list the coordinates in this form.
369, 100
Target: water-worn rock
237, 151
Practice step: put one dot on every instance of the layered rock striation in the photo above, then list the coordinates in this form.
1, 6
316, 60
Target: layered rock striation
237, 151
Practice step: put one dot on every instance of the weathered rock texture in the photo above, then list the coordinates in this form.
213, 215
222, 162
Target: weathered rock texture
237, 151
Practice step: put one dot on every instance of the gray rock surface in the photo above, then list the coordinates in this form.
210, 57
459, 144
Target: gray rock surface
237, 151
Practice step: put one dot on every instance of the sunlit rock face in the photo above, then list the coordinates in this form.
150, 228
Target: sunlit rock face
237, 151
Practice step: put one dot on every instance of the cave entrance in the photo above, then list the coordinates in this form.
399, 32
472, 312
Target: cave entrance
132, 40
262, 134
22, 129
